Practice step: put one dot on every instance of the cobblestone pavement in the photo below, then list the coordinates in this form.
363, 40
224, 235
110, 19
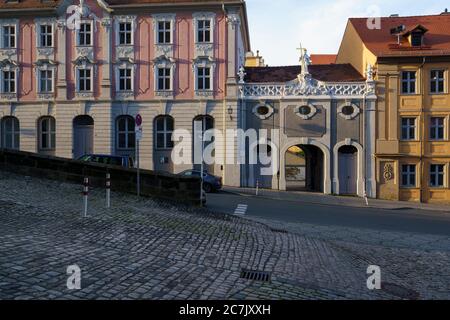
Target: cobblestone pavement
142, 249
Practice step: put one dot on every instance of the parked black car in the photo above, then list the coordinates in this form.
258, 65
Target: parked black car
123, 161
211, 183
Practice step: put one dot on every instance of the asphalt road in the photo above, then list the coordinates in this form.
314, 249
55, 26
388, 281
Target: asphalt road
407, 220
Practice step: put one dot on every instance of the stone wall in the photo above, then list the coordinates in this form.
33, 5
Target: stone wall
160, 185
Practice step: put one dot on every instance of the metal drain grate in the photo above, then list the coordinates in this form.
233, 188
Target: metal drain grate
255, 275
278, 230
399, 291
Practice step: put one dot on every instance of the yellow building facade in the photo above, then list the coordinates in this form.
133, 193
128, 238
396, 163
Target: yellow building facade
410, 61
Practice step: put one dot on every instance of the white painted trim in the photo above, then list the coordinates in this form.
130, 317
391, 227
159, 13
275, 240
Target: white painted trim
360, 169
198, 16
166, 17
326, 159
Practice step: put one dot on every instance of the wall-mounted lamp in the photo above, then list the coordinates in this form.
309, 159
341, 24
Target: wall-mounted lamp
230, 112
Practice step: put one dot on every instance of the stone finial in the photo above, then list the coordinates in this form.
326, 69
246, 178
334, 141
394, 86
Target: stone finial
305, 60
241, 75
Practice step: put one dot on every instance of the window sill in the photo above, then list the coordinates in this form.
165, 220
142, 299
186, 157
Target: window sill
8, 96
204, 93
84, 94
46, 95
164, 93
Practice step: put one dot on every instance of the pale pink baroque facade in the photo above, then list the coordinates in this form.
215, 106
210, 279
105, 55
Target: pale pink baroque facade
67, 91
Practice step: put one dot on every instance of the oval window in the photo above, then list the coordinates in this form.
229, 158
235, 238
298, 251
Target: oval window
348, 110
263, 110
304, 110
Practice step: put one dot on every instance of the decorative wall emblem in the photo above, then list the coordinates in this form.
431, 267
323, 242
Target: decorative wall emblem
263, 111
306, 111
348, 111
388, 172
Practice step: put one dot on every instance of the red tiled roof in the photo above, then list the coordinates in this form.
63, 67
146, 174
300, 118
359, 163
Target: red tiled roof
382, 44
323, 58
125, 2
29, 4
327, 73
51, 4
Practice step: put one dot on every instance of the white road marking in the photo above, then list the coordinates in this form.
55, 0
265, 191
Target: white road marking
241, 209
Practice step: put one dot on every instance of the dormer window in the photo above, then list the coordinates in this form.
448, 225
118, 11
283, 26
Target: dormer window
416, 39
415, 36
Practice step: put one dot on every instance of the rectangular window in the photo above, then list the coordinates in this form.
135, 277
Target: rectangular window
9, 81
204, 31
437, 175
437, 81
416, 39
409, 82
9, 37
203, 78
46, 35
164, 79
85, 34
84, 80
408, 128
125, 79
125, 33
164, 32
48, 134
437, 128
409, 175
46, 81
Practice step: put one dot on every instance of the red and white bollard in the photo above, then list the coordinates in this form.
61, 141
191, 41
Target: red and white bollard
85, 195
108, 190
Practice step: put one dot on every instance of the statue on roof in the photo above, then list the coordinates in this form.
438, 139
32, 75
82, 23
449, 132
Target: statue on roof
305, 60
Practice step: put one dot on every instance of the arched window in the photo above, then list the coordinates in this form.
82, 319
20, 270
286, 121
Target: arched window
47, 133
10, 133
207, 122
163, 132
125, 131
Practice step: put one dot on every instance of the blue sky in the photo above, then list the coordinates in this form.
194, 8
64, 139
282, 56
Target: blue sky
278, 26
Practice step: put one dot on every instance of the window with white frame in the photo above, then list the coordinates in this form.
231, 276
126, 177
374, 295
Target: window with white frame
84, 37
164, 32
163, 132
47, 133
437, 81
125, 33
125, 78
9, 36
9, 82
45, 35
125, 133
84, 79
408, 82
45, 81
164, 79
10, 133
408, 129
409, 175
204, 31
437, 175
204, 78
437, 127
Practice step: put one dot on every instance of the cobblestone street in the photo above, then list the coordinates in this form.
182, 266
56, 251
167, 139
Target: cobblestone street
142, 249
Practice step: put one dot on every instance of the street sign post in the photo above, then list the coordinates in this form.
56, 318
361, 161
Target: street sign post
138, 135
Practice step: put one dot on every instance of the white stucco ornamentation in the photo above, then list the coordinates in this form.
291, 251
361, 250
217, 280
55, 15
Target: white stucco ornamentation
348, 111
164, 48
306, 111
304, 87
263, 111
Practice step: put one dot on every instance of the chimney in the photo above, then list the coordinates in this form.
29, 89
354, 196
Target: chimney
445, 12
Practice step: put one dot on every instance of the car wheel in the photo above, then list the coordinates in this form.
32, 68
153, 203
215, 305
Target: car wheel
207, 187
